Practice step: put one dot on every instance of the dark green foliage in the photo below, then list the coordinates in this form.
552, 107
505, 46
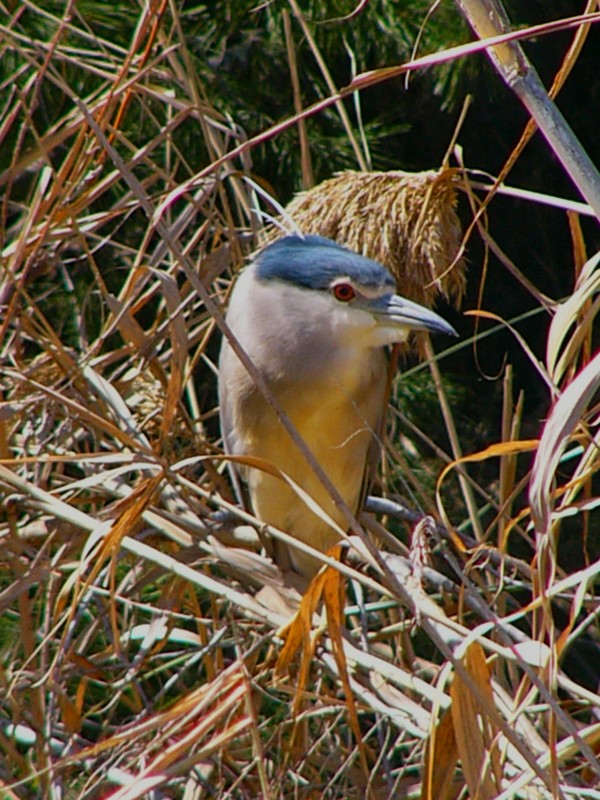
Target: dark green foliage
240, 52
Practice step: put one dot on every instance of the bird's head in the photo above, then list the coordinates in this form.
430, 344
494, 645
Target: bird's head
316, 276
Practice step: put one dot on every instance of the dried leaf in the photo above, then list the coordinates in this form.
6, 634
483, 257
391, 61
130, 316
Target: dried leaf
296, 633
573, 312
475, 734
564, 418
69, 714
441, 755
334, 604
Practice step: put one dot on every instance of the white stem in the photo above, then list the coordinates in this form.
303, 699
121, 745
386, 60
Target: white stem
488, 18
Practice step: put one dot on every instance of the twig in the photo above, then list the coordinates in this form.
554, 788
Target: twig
488, 18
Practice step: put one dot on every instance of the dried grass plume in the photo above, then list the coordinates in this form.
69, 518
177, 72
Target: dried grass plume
406, 221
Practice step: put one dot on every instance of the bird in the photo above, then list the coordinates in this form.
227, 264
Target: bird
316, 320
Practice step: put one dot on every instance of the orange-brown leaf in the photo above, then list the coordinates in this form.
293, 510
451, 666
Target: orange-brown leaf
297, 632
476, 736
441, 755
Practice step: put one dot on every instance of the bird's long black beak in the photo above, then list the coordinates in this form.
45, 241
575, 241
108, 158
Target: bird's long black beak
395, 311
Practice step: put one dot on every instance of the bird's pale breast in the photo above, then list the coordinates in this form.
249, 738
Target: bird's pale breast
339, 423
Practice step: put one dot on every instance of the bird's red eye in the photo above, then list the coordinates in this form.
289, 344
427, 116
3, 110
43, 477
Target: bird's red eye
344, 292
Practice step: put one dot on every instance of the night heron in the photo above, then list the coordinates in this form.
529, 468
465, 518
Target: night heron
315, 319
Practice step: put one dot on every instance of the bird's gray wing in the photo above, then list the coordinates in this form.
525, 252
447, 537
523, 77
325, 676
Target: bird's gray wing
226, 399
